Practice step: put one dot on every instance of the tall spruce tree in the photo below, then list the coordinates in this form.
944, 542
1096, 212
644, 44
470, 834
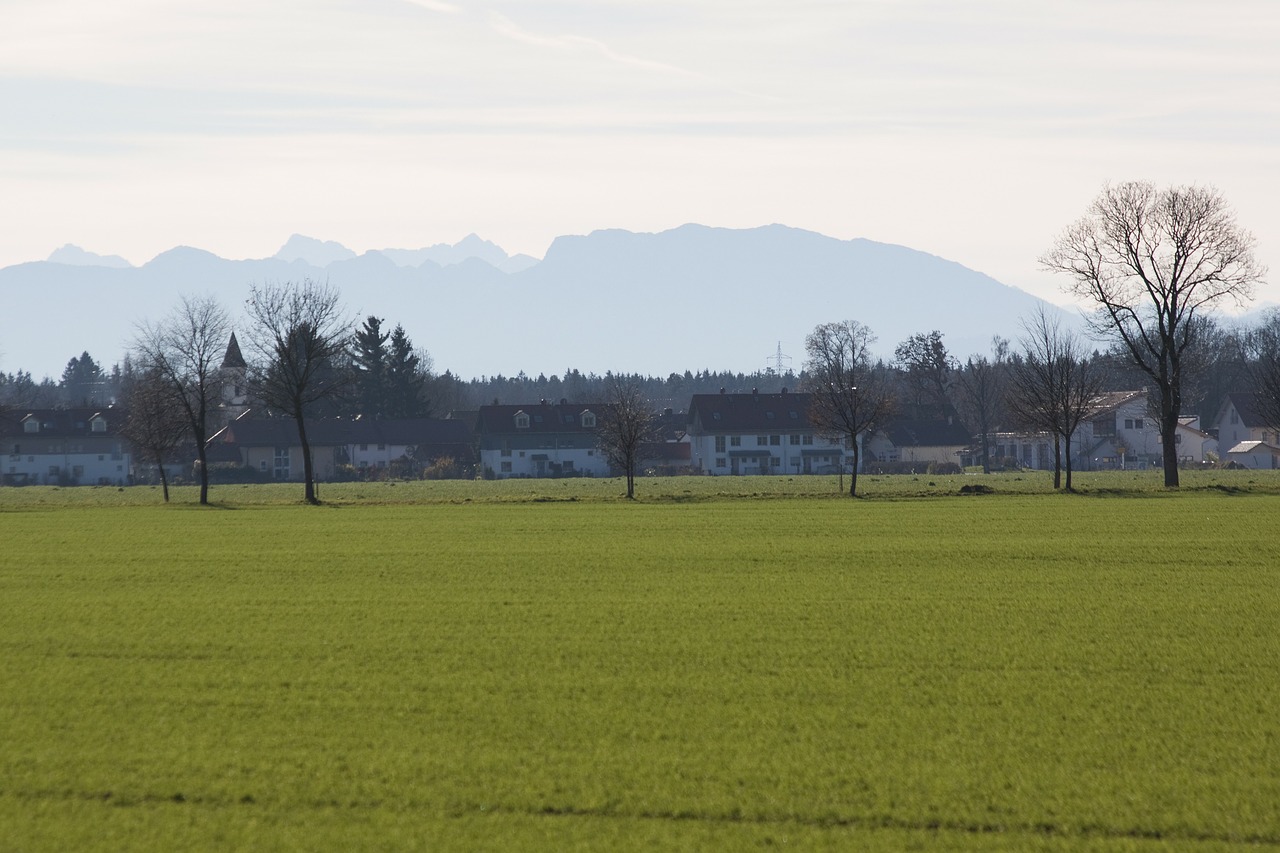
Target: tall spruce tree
370, 360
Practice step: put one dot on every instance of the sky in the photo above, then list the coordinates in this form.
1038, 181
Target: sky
975, 131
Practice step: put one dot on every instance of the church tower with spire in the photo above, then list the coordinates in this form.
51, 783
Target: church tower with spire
235, 382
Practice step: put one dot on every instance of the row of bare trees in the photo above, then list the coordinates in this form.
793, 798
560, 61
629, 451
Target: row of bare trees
298, 335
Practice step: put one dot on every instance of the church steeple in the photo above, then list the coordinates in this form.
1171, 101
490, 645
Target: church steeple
233, 358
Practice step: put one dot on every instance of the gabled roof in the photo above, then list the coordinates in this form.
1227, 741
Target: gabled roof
1109, 401
61, 423
283, 432
1252, 446
1246, 404
544, 417
713, 413
927, 433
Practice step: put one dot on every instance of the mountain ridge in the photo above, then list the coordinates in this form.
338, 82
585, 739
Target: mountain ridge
688, 298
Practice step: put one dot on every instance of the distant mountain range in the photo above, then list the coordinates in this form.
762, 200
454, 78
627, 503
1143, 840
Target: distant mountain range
690, 298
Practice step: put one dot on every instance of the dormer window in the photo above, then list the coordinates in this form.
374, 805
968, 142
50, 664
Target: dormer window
98, 424
31, 425
522, 420
588, 420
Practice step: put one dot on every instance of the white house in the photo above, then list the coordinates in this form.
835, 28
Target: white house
1119, 432
540, 440
70, 447
758, 434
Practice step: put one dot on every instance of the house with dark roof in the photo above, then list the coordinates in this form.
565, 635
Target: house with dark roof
920, 440
270, 446
758, 434
69, 447
540, 440
1244, 436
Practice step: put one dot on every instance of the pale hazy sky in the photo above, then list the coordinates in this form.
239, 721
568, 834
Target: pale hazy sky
972, 130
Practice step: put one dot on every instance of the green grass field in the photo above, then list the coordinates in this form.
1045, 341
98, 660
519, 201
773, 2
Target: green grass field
726, 664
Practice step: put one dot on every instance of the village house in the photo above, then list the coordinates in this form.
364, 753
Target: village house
758, 434
270, 446
68, 447
923, 441
1118, 432
1244, 437
540, 440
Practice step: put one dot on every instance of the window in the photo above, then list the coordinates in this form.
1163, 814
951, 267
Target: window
522, 420
568, 465
1137, 423
588, 420
364, 447
735, 441
33, 425
1128, 423
808, 439
719, 461
506, 467
793, 439
382, 446
537, 419
775, 440
280, 463
98, 425
1177, 437
774, 462
795, 416
768, 416
53, 470
102, 457
715, 416
762, 441
719, 444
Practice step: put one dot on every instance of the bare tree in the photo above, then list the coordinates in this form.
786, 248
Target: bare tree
626, 425
1264, 368
850, 394
155, 426
928, 371
1153, 261
300, 338
980, 394
1053, 387
185, 350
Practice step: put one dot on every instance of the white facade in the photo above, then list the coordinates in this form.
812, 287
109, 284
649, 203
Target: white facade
784, 452
66, 448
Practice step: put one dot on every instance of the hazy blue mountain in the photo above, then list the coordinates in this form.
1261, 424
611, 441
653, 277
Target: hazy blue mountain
443, 254
690, 298
77, 257
319, 253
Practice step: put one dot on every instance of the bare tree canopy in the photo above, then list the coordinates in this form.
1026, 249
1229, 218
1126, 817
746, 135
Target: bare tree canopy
1153, 261
980, 394
155, 426
186, 350
1264, 369
627, 424
1053, 387
850, 393
299, 336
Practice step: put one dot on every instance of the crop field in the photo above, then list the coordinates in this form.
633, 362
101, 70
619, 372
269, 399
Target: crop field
724, 664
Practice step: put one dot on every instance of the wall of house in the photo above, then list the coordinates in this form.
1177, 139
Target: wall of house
796, 452
264, 459
80, 463
550, 461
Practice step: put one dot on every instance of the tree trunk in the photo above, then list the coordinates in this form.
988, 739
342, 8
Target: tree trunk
1067, 464
204, 471
1168, 440
308, 475
1057, 461
853, 473
164, 483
